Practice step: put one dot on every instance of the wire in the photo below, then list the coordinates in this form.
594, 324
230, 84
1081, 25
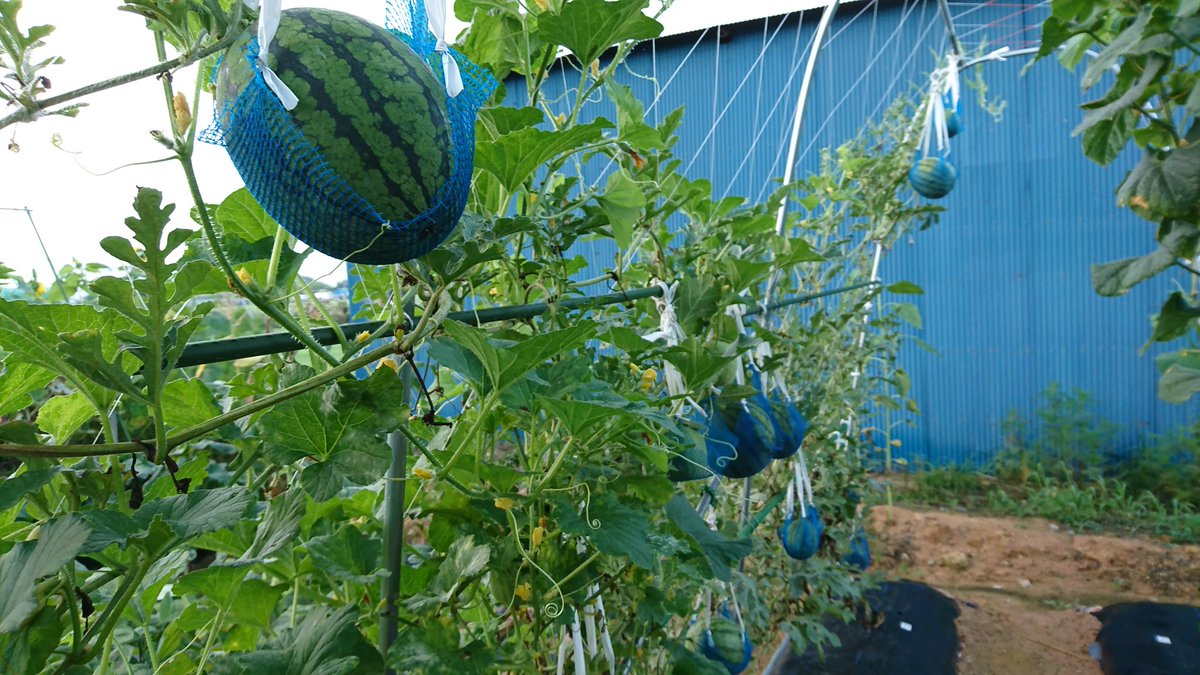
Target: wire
37, 233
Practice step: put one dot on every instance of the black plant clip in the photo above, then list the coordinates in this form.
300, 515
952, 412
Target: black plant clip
182, 485
136, 496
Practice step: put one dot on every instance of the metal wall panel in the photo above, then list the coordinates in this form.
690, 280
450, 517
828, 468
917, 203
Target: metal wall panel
1008, 302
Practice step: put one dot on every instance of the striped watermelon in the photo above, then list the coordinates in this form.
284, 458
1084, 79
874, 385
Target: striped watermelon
373, 108
726, 643
933, 177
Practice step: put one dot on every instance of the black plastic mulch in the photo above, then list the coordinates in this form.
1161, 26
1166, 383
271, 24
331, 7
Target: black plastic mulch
1148, 638
910, 629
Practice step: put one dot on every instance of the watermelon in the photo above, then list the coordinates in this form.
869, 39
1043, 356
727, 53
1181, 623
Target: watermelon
860, 550
792, 424
736, 449
933, 177
689, 442
372, 108
953, 119
801, 536
726, 643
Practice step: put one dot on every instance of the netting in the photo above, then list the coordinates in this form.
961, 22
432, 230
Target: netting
297, 181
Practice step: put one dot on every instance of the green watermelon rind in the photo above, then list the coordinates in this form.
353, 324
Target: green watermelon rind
727, 640
372, 108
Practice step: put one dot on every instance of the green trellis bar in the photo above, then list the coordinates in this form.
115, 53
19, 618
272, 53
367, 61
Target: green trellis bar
229, 349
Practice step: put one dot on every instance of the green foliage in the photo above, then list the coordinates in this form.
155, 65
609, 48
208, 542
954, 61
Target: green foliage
249, 516
1152, 104
23, 80
1066, 467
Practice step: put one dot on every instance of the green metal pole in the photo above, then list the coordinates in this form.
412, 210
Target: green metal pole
229, 349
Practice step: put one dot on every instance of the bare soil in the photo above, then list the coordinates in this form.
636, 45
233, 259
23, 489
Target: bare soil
1026, 587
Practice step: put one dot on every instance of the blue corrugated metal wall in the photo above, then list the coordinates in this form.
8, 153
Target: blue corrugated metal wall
1008, 302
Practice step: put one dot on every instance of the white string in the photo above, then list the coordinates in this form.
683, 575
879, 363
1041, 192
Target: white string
605, 636
436, 11
670, 332
562, 651
577, 645
738, 313
268, 24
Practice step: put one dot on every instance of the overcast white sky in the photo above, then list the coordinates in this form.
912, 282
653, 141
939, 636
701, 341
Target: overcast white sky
75, 209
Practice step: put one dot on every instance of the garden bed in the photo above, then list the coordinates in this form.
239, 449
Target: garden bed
1026, 586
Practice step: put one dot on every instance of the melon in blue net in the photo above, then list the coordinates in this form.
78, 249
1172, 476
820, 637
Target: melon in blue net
690, 443
736, 448
374, 131
933, 177
801, 535
726, 643
791, 423
859, 555
953, 117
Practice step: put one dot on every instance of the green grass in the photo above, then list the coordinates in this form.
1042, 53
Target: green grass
1066, 465
1080, 503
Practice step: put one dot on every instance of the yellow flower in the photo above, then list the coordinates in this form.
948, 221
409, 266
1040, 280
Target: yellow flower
362, 337
39, 288
244, 276
423, 474
649, 379
504, 503
535, 539
524, 592
596, 69
634, 369
493, 292
391, 363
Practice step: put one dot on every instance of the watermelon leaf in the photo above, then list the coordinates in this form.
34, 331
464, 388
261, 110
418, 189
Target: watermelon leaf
17, 382
348, 555
514, 157
326, 642
1178, 384
240, 215
721, 552
1104, 141
619, 530
589, 27
1175, 319
340, 429
33, 334
29, 561
62, 416
623, 201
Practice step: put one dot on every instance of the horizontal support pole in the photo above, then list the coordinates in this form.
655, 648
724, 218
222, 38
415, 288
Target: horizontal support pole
231, 349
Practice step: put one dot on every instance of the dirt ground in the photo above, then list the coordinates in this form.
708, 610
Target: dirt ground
1026, 587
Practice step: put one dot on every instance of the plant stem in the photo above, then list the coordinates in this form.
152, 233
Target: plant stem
276, 253
194, 432
29, 114
68, 578
280, 317
112, 613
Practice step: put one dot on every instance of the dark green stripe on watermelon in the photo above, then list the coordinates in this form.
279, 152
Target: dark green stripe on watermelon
373, 108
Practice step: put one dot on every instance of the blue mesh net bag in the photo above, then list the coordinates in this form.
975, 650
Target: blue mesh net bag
791, 423
801, 533
358, 139
735, 448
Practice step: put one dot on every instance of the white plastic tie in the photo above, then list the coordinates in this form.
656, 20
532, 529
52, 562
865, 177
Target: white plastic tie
436, 11
738, 313
670, 332
268, 22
